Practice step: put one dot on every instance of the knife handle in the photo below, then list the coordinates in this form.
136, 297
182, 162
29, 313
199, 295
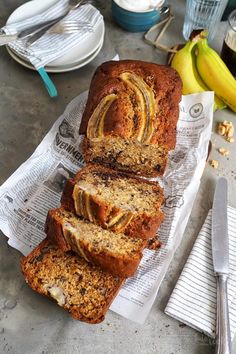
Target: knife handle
7, 38
223, 340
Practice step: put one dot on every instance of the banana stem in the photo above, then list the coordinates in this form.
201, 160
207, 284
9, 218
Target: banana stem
198, 35
189, 46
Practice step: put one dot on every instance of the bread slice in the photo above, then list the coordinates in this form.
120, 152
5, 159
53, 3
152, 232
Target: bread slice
131, 115
115, 201
117, 254
126, 155
78, 286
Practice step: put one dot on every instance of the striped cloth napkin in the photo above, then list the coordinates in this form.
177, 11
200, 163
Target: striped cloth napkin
193, 300
52, 46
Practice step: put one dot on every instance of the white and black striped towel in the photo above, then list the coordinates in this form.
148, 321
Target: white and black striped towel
193, 300
52, 46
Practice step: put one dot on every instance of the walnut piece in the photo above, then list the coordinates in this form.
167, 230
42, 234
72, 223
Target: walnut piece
230, 140
226, 129
214, 163
223, 151
221, 129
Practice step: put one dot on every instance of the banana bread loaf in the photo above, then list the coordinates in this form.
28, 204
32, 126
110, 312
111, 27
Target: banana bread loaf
131, 115
78, 286
117, 254
115, 201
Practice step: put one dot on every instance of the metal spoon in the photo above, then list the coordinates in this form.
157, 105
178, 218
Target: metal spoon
162, 10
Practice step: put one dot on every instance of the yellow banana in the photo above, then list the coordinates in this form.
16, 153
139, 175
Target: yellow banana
215, 74
184, 62
219, 104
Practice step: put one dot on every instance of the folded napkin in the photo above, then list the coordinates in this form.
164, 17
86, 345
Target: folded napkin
193, 300
52, 46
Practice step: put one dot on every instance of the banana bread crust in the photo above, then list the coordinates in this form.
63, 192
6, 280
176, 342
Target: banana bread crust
141, 225
118, 265
165, 85
43, 257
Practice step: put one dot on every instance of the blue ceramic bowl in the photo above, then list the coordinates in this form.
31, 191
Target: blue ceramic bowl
134, 21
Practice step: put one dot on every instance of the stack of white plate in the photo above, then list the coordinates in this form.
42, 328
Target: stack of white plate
81, 54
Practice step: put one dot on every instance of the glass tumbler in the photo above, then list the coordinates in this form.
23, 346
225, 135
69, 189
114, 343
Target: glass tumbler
228, 53
203, 14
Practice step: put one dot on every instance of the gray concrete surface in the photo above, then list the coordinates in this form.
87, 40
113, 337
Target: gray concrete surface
30, 324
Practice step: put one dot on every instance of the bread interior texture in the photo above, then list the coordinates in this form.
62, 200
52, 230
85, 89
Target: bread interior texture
127, 155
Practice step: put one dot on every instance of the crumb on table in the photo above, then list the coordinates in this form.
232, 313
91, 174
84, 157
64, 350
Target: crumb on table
214, 163
223, 151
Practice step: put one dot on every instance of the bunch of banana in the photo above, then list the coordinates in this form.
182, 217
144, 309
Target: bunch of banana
203, 70
215, 73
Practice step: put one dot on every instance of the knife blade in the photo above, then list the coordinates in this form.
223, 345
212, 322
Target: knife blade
38, 34
220, 242
220, 256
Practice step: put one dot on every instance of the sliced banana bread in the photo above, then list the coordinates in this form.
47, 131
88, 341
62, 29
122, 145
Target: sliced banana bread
117, 254
78, 286
115, 201
131, 115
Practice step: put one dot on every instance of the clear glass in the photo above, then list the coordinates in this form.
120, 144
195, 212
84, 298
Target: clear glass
203, 14
228, 53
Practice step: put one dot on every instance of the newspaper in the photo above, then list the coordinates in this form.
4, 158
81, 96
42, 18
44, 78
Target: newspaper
37, 184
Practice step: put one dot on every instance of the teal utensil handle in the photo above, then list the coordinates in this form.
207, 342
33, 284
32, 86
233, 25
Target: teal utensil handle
48, 82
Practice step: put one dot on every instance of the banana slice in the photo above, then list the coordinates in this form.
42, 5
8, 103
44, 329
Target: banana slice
119, 221
76, 199
95, 127
147, 105
82, 203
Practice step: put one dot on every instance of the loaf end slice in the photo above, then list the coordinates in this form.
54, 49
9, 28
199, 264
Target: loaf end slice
76, 285
131, 116
117, 254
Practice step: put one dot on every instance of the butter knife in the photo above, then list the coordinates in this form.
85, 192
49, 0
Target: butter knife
220, 254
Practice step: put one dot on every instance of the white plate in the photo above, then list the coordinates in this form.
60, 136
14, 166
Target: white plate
56, 69
82, 50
